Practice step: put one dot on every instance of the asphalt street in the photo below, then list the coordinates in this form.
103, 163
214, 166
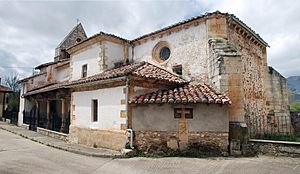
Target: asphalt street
20, 155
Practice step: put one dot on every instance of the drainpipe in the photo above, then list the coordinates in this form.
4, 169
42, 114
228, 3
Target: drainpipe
127, 99
129, 132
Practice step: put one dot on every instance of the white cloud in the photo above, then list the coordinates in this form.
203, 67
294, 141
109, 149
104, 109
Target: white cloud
30, 31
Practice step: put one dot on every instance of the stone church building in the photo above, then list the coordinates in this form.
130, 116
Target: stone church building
196, 84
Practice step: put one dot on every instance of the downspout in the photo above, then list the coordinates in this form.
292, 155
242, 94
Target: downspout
127, 100
129, 132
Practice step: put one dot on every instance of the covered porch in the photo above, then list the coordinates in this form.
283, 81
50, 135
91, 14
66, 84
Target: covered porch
48, 110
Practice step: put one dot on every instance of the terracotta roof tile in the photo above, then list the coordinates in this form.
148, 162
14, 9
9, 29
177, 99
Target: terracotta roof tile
51, 63
5, 89
50, 87
201, 93
142, 69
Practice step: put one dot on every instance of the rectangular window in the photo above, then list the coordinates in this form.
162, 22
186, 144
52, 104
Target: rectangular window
177, 112
94, 110
84, 71
188, 113
177, 69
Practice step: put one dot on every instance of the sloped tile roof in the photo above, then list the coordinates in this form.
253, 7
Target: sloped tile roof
5, 89
201, 93
51, 63
142, 69
50, 87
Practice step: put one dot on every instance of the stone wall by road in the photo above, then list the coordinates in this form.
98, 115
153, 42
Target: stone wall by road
153, 141
277, 149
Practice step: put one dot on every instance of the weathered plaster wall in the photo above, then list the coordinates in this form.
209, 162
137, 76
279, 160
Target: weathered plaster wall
114, 53
188, 47
98, 57
62, 74
90, 56
212, 118
109, 108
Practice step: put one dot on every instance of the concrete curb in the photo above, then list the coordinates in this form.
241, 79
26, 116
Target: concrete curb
62, 146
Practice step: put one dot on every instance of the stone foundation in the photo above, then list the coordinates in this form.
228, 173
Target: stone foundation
152, 141
276, 148
110, 139
52, 134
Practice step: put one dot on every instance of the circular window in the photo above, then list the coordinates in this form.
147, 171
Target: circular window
161, 52
78, 40
164, 53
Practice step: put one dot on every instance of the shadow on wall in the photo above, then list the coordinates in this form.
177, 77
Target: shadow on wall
295, 118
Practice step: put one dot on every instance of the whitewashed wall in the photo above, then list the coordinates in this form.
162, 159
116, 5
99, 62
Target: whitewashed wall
62, 74
94, 56
89, 56
109, 108
188, 47
114, 53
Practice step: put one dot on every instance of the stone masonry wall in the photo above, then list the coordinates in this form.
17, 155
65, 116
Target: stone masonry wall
253, 71
152, 141
278, 118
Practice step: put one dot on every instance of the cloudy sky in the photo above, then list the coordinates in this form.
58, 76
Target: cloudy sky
30, 31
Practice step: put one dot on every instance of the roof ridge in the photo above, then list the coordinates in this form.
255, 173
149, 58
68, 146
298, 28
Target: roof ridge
73, 29
179, 23
188, 93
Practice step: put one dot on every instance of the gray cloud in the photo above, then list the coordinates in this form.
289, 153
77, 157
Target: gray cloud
29, 31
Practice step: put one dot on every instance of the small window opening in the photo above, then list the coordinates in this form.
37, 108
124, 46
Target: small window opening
84, 71
164, 53
94, 110
187, 112
177, 69
78, 40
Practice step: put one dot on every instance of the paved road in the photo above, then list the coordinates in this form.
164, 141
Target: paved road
19, 155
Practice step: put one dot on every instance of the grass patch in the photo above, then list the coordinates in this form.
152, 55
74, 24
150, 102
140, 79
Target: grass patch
189, 154
280, 137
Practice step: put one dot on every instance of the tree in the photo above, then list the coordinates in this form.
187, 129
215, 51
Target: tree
295, 106
12, 82
14, 97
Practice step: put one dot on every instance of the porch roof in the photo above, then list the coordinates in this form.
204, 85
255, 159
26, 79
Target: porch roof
5, 89
200, 93
50, 87
142, 69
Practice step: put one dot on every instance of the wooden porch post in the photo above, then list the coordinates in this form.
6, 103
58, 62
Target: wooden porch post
48, 114
63, 115
37, 114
